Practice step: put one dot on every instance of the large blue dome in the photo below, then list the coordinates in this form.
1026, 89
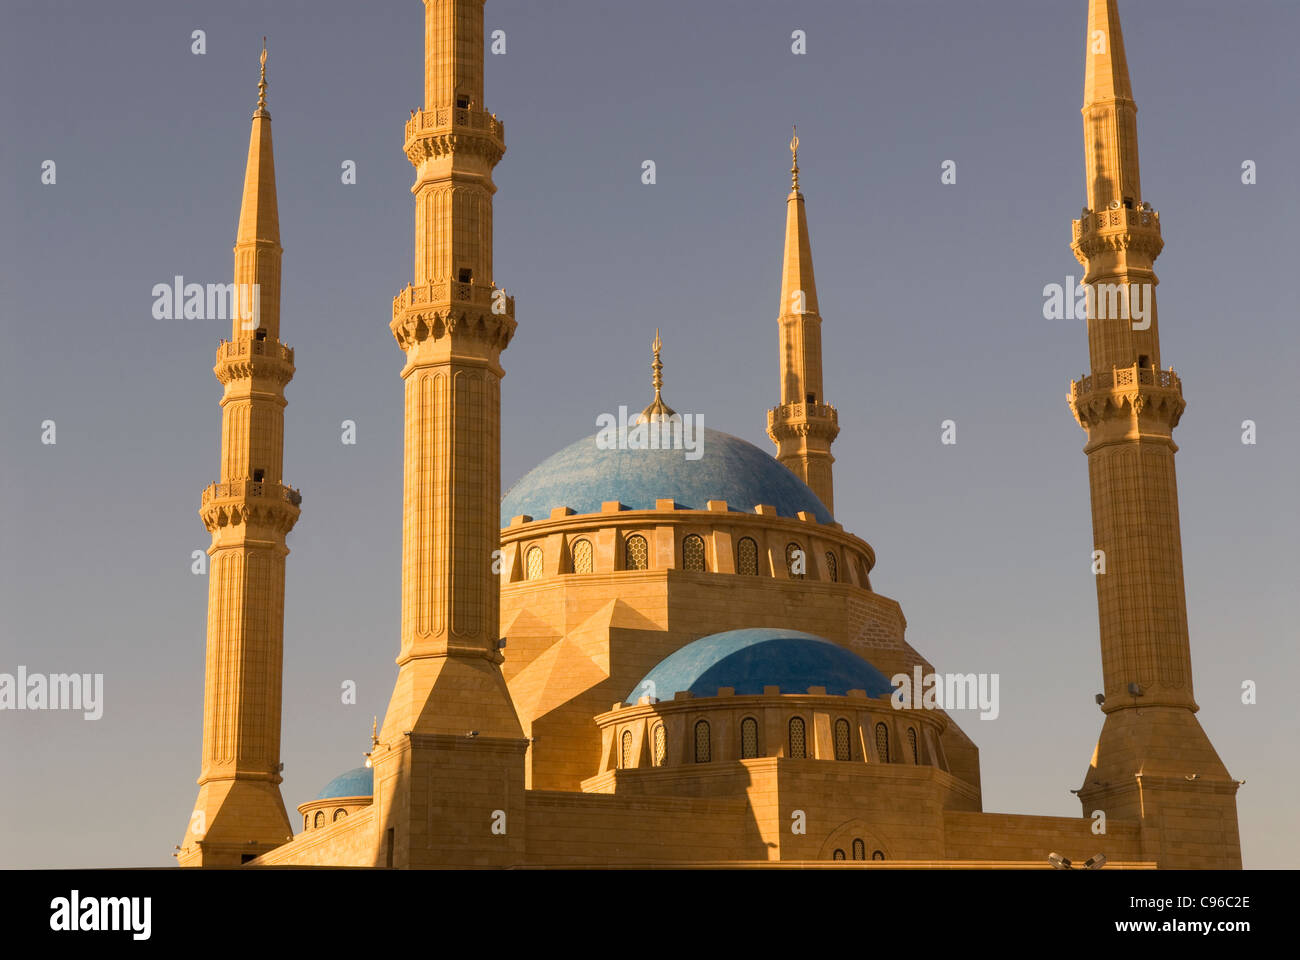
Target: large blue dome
583, 476
754, 658
355, 783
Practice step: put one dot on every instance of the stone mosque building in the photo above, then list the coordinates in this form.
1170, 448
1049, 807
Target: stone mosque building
637, 657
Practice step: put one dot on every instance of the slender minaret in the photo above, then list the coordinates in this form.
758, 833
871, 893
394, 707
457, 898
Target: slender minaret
239, 813
450, 756
803, 426
1152, 760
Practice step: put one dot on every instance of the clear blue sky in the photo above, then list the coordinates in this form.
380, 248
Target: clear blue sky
931, 296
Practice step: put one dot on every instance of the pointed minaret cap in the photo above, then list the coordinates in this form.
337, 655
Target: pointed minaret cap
658, 410
798, 288
1106, 75
259, 214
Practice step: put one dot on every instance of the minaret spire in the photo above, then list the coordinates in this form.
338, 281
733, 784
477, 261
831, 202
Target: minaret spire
239, 812
802, 426
1152, 753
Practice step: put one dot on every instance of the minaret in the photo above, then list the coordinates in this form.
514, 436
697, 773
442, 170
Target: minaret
451, 725
1152, 760
803, 426
239, 813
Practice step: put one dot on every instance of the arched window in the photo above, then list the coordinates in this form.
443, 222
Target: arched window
859, 849
339, 814
306, 820
837, 855
533, 563
627, 750
702, 745
582, 556
798, 742
842, 749
877, 855
660, 745
911, 741
636, 555
693, 553
748, 738
747, 557
320, 819
832, 568
795, 559
882, 742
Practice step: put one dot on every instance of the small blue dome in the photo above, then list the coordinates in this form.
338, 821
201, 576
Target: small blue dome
751, 659
583, 476
355, 783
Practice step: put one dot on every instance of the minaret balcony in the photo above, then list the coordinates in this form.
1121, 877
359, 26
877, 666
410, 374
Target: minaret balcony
1117, 228
250, 501
789, 420
1097, 396
434, 309
436, 132
249, 357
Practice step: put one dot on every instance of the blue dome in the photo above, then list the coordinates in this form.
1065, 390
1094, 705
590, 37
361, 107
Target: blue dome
751, 659
355, 783
583, 476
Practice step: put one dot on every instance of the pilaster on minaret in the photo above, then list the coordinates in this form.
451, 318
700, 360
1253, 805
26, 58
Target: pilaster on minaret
803, 426
1129, 408
239, 812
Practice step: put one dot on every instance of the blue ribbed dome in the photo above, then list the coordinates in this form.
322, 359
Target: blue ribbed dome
583, 476
355, 783
751, 659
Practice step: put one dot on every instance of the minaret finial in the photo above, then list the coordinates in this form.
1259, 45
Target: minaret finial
794, 158
658, 410
261, 84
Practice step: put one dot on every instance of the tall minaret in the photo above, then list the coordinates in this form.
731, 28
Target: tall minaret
1152, 760
239, 812
451, 725
803, 426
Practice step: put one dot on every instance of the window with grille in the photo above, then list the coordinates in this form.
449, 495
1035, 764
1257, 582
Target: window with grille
747, 557
837, 855
882, 742
832, 568
859, 849
911, 742
693, 553
582, 561
842, 749
627, 749
798, 742
306, 821
748, 738
794, 555
533, 563
660, 744
636, 554
702, 754
877, 855
340, 814
320, 819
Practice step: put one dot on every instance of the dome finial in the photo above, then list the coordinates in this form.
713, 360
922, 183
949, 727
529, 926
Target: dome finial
658, 410
261, 84
794, 158
374, 741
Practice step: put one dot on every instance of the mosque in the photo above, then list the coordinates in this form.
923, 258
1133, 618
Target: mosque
638, 657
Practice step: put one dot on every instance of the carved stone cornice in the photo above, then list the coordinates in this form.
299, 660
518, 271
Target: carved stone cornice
793, 421
1115, 230
246, 359
446, 130
1144, 391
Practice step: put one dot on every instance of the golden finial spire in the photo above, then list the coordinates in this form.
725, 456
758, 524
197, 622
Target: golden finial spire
261, 84
657, 409
794, 159
374, 741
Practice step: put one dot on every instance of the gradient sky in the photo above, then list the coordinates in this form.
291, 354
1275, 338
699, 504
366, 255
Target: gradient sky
931, 297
